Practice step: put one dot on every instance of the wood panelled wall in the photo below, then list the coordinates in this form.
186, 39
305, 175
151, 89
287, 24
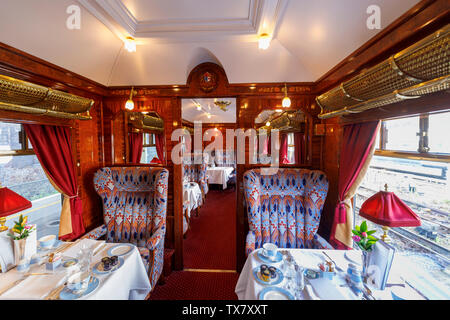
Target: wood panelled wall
103, 140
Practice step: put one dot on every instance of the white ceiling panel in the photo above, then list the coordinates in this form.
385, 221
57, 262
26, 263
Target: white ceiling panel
309, 37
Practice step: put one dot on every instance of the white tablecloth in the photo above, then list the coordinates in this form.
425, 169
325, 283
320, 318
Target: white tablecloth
247, 288
192, 195
219, 175
129, 282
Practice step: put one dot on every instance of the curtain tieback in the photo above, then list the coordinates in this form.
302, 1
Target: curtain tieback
71, 197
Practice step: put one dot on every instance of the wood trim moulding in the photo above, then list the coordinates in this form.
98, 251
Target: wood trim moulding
19, 64
424, 18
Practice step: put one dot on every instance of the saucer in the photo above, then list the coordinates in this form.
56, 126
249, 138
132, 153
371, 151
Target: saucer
67, 294
98, 268
55, 245
278, 257
275, 293
257, 274
120, 249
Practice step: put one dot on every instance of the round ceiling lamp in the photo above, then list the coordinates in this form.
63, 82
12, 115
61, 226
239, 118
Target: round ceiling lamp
129, 105
286, 103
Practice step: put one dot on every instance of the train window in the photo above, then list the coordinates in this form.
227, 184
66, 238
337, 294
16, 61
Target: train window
21, 172
149, 148
423, 183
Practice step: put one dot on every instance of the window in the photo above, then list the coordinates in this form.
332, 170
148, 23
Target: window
149, 148
417, 171
21, 171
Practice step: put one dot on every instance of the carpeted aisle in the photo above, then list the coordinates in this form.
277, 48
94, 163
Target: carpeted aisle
209, 252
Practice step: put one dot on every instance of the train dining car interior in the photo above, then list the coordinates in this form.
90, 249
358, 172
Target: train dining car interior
224, 151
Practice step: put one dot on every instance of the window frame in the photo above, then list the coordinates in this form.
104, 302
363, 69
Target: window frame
24, 142
422, 153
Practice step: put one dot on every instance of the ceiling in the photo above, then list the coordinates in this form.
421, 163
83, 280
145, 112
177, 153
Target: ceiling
190, 112
309, 37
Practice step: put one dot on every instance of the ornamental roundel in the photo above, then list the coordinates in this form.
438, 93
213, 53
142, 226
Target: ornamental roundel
208, 81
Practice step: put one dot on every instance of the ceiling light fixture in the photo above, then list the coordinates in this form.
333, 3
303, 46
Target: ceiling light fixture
130, 44
286, 101
129, 105
264, 41
208, 115
268, 124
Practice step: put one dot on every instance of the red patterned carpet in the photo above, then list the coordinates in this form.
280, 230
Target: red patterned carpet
183, 285
210, 244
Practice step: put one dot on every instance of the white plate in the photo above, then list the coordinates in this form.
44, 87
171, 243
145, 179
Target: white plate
275, 293
120, 249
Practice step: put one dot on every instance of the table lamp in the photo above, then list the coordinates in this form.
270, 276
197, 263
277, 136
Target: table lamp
388, 210
10, 203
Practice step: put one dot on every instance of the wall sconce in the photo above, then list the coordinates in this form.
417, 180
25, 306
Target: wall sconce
264, 41
130, 44
129, 105
286, 101
175, 123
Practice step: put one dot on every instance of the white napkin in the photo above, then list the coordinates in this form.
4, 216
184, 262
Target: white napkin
37, 286
328, 290
310, 291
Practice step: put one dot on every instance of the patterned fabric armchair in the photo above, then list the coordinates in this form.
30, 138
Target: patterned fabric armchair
197, 172
285, 208
134, 211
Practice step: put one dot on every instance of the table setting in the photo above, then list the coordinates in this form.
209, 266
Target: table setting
272, 273
192, 195
83, 269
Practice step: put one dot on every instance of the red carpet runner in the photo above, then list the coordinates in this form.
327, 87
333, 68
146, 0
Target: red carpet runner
210, 244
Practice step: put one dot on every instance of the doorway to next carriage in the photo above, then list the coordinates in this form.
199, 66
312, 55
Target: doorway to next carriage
209, 185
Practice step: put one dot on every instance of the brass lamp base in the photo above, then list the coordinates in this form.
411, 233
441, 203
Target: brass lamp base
385, 237
2, 223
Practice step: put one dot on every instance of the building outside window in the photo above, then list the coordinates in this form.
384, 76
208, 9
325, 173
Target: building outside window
21, 171
149, 148
413, 159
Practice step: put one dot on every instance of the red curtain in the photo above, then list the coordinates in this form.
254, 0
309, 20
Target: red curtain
267, 146
299, 141
357, 142
136, 142
284, 149
52, 146
159, 141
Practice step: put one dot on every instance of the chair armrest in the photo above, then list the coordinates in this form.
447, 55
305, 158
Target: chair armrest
321, 243
95, 234
154, 240
250, 243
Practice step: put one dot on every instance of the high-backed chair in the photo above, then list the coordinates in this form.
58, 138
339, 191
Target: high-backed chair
285, 208
134, 211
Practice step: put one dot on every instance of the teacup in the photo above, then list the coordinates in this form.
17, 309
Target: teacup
270, 250
47, 242
78, 281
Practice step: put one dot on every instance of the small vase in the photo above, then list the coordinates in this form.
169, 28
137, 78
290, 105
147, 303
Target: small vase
365, 263
19, 254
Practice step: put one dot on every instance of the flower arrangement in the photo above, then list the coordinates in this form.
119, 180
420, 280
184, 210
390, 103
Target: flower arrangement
21, 229
363, 237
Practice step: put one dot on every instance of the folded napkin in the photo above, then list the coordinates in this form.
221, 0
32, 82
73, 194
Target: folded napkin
34, 286
329, 290
310, 292
74, 249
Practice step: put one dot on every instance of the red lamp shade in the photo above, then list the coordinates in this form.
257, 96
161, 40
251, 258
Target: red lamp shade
386, 209
11, 202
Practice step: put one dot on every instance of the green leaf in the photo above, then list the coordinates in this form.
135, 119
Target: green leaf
371, 232
357, 233
363, 226
357, 228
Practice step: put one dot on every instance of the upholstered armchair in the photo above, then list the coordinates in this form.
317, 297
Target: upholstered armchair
134, 211
285, 208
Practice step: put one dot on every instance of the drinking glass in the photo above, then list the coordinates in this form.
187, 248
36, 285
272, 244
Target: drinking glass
300, 278
84, 259
288, 272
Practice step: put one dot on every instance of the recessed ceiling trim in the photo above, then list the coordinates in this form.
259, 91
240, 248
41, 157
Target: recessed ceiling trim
262, 15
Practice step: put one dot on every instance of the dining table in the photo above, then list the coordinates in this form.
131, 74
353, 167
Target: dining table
320, 288
129, 281
219, 175
192, 196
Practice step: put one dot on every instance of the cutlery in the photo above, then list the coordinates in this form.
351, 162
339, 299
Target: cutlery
38, 273
99, 249
15, 283
335, 264
57, 290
